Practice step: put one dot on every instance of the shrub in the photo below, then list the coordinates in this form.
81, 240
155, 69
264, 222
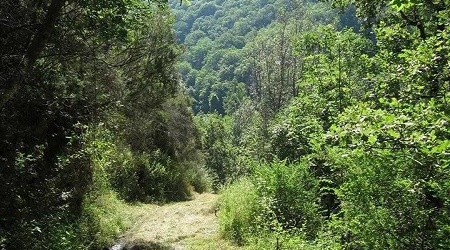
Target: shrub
219, 152
239, 207
200, 178
384, 205
291, 193
103, 219
278, 199
143, 176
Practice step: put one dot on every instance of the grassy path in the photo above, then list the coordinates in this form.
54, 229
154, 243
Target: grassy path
183, 225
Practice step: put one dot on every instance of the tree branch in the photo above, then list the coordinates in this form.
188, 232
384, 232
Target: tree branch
38, 42
35, 48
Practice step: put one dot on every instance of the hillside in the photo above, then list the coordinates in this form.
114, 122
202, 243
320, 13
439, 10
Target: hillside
329, 119
221, 37
321, 124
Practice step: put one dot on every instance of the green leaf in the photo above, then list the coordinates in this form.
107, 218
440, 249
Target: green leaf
394, 102
441, 147
389, 119
393, 133
372, 139
401, 5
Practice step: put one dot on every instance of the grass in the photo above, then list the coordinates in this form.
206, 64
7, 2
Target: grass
212, 242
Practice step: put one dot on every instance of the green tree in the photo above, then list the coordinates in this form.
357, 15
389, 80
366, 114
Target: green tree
334, 64
65, 66
220, 154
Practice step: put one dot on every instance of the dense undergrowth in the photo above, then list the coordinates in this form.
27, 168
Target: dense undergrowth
92, 118
374, 194
328, 132
121, 178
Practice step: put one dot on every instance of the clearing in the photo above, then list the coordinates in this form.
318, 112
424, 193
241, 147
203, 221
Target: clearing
182, 225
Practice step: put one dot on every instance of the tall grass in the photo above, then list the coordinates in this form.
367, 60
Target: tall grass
276, 206
239, 207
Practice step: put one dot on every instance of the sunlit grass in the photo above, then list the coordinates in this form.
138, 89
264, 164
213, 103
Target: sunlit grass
212, 242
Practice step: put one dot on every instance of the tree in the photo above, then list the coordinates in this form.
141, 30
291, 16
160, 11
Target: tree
414, 25
66, 65
274, 69
334, 64
220, 155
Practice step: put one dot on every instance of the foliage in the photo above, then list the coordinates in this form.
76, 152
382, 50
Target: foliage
290, 193
294, 130
364, 135
220, 154
70, 66
407, 204
143, 176
323, 136
104, 217
271, 202
236, 222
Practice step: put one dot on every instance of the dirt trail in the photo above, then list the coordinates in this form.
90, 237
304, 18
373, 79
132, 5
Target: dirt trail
173, 226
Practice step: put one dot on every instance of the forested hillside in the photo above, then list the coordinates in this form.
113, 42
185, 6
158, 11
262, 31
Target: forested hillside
326, 123
225, 42
321, 124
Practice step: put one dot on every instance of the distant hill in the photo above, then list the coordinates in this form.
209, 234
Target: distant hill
217, 36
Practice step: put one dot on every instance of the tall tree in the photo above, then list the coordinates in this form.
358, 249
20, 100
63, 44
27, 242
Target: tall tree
65, 65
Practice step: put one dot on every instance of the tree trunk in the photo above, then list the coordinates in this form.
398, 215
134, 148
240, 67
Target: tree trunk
35, 48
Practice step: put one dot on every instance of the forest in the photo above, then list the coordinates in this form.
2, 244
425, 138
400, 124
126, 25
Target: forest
320, 124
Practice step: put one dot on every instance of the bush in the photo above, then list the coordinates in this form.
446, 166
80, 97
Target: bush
220, 154
103, 219
144, 176
384, 206
200, 178
278, 199
393, 179
291, 193
239, 207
